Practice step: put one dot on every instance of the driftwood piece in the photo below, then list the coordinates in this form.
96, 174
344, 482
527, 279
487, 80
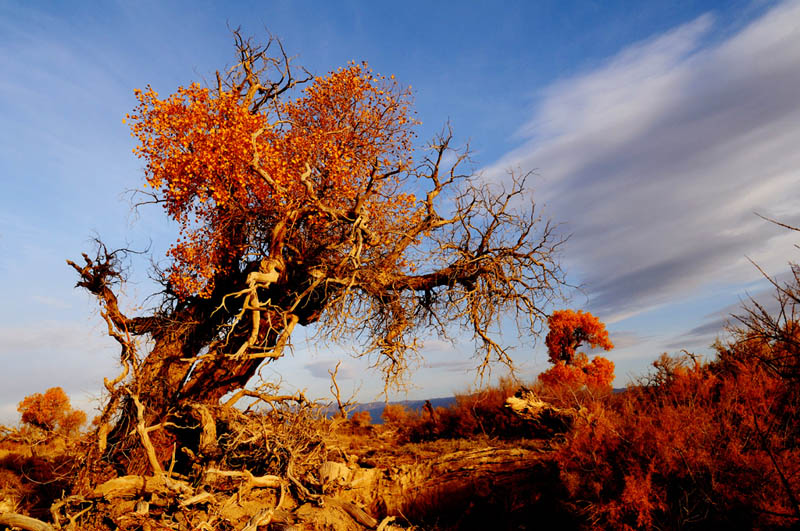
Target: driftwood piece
24, 522
545, 416
132, 486
208, 446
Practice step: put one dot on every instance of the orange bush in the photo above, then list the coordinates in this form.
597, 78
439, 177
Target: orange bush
51, 412
595, 374
361, 418
397, 415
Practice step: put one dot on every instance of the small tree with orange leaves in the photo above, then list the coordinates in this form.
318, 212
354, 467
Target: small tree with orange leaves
568, 331
51, 411
308, 208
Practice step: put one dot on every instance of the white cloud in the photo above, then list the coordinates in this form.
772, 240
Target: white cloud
658, 158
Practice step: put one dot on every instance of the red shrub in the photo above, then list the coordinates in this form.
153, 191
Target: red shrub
481, 412
711, 443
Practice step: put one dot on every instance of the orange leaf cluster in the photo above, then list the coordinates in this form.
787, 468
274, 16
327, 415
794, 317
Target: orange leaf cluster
228, 175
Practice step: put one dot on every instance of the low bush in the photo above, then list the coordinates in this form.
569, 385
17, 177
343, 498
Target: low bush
697, 444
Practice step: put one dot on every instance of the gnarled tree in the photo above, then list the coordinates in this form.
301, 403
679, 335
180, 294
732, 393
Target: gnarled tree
308, 207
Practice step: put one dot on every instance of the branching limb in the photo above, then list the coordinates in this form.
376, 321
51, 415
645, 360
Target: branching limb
346, 406
298, 398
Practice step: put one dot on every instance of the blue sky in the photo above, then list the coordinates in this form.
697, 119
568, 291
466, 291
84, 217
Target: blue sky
656, 130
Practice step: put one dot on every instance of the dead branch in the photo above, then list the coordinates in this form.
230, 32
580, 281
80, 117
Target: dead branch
527, 405
203, 497
385, 522
133, 486
358, 514
208, 438
241, 393
346, 406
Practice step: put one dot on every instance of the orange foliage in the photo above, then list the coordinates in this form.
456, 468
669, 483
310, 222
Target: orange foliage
227, 173
595, 374
361, 418
478, 413
51, 411
568, 331
397, 415
712, 443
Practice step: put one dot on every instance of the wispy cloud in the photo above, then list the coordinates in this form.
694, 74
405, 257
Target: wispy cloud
451, 365
658, 158
46, 336
320, 368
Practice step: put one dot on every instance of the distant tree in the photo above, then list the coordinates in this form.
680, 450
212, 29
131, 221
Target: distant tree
568, 330
51, 411
309, 208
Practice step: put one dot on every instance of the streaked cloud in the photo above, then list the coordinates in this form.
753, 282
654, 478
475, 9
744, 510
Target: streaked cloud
658, 158
715, 325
